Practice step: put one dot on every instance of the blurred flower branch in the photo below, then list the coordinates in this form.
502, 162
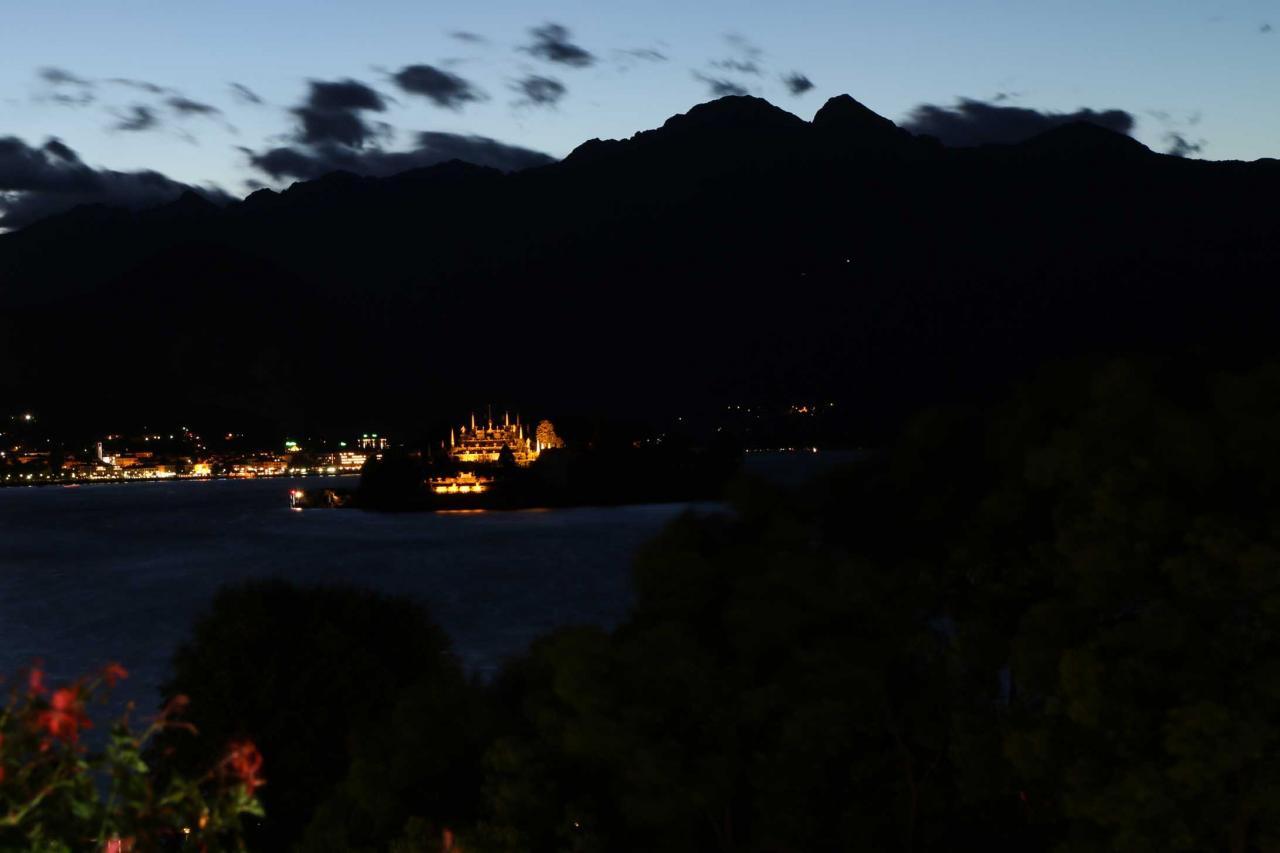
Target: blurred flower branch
59, 794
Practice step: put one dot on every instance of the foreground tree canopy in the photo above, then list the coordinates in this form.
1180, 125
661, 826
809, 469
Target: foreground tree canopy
313, 674
1047, 625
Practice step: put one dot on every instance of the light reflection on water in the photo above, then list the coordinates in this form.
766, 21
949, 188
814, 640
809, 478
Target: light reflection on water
119, 572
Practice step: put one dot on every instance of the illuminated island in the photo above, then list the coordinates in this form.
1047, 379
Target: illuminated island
504, 464
505, 446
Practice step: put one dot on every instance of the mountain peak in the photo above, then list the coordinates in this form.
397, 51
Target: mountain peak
734, 112
192, 200
189, 204
734, 126
855, 123
845, 110
1085, 138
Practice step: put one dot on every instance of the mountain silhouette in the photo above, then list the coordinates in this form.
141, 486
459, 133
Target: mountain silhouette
735, 254
1080, 139
851, 123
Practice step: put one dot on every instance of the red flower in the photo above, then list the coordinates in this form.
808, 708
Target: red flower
114, 672
117, 845
35, 681
175, 706
65, 716
245, 761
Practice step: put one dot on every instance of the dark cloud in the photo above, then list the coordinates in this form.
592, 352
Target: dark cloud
59, 149
80, 98
68, 89
540, 91
62, 77
431, 148
142, 86
741, 66
38, 182
746, 57
187, 107
552, 43
647, 54
719, 87
53, 167
1265, 28
286, 162
469, 38
333, 135
744, 46
332, 113
1181, 146
244, 94
972, 122
343, 128
138, 118
797, 83
442, 88
337, 95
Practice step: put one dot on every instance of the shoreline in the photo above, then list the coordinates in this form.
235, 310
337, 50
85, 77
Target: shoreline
115, 481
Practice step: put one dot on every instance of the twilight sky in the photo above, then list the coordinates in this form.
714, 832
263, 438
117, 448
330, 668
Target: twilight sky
129, 85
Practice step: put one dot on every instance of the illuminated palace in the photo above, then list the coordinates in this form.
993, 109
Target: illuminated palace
484, 444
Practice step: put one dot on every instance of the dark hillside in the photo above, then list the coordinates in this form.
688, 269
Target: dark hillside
737, 253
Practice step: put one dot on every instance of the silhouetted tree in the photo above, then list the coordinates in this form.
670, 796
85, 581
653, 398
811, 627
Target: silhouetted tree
506, 458
309, 674
1040, 626
393, 480
546, 436
1133, 537
1043, 625
769, 693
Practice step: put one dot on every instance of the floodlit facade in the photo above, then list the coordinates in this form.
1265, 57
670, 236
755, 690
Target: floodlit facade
483, 444
465, 483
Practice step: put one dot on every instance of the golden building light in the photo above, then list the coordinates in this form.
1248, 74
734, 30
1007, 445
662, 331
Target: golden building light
484, 445
465, 483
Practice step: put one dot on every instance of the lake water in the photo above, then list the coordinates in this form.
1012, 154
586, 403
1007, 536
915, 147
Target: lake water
120, 572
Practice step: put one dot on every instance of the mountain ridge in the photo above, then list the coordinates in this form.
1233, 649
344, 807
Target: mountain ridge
735, 251
841, 116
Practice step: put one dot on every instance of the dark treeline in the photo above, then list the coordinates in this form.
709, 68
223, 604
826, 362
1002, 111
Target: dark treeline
399, 480
1043, 625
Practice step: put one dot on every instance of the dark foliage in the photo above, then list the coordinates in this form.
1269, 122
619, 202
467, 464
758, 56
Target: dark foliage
1008, 634
1044, 624
393, 480
397, 481
315, 677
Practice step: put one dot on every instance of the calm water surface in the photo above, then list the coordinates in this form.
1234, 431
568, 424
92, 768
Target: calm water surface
120, 572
